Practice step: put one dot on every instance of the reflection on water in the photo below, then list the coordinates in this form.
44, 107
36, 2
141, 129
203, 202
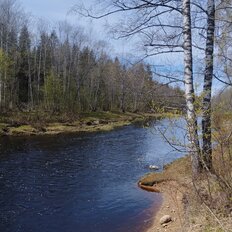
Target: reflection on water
81, 183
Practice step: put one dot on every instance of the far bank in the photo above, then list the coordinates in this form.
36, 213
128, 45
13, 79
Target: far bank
33, 123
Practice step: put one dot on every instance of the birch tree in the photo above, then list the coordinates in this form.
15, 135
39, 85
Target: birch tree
207, 89
189, 88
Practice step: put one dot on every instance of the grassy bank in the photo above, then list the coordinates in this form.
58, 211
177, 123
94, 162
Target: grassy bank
194, 204
34, 123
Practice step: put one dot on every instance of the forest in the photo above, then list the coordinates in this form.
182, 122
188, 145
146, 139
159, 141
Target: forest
62, 70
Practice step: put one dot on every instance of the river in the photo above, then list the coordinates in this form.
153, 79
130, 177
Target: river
80, 183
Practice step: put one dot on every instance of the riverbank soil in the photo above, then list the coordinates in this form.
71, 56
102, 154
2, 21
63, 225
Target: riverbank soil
172, 205
34, 123
194, 205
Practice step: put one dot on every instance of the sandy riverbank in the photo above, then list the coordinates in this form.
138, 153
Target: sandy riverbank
181, 201
172, 205
173, 194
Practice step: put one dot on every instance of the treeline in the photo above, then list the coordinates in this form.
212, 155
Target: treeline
61, 70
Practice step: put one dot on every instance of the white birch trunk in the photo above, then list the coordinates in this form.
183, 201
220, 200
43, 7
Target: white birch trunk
189, 88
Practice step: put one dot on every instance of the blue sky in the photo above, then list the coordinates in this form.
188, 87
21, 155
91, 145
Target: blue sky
58, 10
49, 9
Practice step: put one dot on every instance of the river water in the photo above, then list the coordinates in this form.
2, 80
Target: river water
80, 183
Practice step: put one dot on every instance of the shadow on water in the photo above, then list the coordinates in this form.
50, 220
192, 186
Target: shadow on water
81, 183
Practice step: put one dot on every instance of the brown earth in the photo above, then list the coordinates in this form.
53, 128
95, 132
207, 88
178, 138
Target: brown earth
172, 205
189, 210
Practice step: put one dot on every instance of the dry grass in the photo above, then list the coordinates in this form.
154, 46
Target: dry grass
32, 124
177, 170
204, 204
37, 123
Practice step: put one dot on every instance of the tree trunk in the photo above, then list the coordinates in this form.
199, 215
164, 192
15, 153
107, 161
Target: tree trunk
39, 76
4, 90
30, 91
207, 89
194, 148
0, 91
122, 98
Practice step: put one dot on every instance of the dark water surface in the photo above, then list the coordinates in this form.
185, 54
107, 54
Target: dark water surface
80, 183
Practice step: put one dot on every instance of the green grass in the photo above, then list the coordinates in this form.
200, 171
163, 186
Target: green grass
24, 129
